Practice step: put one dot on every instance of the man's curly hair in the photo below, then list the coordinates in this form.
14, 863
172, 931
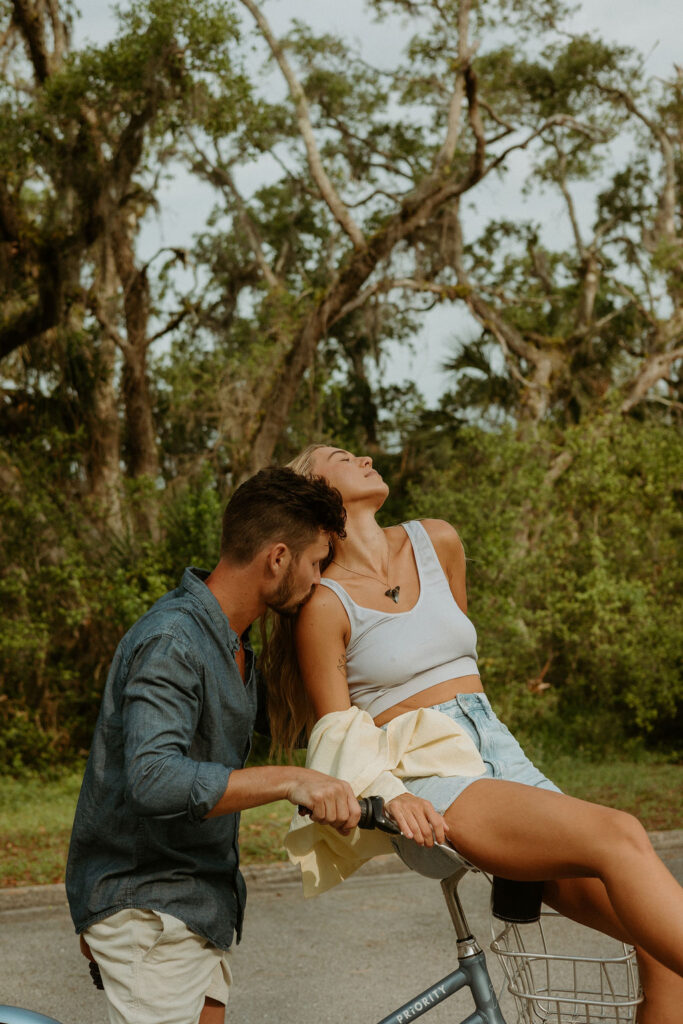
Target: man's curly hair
280, 505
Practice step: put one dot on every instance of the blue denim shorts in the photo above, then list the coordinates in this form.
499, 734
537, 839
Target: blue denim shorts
501, 753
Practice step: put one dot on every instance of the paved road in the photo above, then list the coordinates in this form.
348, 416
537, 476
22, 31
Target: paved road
356, 953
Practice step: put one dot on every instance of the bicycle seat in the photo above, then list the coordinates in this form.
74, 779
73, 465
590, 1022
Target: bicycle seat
438, 861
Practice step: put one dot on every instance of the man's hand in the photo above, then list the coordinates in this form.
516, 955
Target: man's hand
417, 819
330, 801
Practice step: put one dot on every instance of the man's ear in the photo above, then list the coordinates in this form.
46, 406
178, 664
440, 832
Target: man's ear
278, 559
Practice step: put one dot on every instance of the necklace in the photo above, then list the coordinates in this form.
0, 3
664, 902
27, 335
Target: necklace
391, 592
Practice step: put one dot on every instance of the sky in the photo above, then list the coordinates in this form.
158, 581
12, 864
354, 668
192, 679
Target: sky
654, 27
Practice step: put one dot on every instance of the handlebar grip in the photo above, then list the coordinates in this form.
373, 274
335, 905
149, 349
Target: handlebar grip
372, 815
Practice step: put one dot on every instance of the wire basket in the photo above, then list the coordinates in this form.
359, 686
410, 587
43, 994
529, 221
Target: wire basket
559, 988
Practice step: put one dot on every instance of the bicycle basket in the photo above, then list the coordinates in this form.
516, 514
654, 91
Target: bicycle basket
559, 988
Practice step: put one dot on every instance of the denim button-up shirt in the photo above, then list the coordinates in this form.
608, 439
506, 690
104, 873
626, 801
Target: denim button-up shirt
176, 719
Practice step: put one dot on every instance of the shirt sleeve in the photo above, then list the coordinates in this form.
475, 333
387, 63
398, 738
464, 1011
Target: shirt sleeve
161, 707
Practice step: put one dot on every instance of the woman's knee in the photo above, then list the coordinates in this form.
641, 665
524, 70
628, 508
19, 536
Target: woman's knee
632, 832
624, 834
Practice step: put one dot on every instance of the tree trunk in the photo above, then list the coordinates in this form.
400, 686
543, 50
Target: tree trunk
104, 434
141, 447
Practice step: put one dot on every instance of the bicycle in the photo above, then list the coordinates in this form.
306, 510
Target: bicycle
547, 988
598, 990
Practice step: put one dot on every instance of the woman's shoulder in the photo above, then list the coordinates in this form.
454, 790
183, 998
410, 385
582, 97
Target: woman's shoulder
442, 534
323, 608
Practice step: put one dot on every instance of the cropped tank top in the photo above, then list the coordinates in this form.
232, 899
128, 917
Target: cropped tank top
392, 656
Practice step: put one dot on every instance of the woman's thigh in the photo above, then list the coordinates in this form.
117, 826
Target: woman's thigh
526, 832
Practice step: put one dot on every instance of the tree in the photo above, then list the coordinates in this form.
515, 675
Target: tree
86, 138
365, 213
343, 198
360, 224
602, 322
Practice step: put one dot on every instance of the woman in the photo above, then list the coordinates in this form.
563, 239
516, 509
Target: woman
387, 631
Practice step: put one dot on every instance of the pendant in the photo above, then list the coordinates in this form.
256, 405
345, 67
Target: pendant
392, 593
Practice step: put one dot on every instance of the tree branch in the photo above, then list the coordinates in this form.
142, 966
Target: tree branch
571, 209
221, 177
394, 196
443, 293
666, 214
465, 52
95, 307
174, 322
499, 120
250, 231
656, 367
60, 32
327, 190
28, 16
564, 120
387, 158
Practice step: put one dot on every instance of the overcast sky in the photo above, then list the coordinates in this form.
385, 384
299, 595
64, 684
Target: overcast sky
654, 27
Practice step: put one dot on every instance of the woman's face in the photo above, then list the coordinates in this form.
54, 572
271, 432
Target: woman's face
352, 475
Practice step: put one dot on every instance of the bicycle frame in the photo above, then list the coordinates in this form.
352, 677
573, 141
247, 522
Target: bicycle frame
15, 1015
601, 989
471, 972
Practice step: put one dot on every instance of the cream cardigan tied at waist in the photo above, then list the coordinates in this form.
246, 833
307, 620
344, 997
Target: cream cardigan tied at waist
348, 745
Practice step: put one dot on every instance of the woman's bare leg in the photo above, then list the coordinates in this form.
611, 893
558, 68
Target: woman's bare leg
526, 833
585, 900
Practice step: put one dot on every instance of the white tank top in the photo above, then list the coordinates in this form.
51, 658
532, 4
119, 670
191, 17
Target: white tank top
392, 656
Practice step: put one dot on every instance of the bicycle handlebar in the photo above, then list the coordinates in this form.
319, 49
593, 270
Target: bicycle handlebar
372, 815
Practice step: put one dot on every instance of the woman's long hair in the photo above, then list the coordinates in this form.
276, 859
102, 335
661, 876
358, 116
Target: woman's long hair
290, 713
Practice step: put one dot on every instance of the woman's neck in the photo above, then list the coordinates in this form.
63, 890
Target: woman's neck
365, 546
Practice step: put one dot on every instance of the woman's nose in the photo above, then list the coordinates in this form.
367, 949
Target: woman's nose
365, 460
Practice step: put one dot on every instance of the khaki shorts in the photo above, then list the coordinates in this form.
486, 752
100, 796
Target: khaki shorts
155, 969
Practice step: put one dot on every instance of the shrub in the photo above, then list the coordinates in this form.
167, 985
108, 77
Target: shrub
574, 574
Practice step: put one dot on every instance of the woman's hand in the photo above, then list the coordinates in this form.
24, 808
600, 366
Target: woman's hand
417, 819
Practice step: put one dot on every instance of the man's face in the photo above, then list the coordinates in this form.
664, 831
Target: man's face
300, 579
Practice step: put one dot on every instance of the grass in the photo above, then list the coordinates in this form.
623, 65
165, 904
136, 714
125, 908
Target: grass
651, 789
262, 830
36, 815
35, 824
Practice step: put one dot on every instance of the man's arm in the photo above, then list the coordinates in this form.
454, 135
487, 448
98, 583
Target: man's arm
330, 801
161, 707
160, 716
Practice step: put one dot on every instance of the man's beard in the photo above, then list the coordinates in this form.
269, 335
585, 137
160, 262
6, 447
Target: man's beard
281, 601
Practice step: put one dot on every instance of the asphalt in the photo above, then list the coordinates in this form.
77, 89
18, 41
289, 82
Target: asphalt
357, 952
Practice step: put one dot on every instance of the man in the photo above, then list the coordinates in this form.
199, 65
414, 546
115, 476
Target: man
152, 879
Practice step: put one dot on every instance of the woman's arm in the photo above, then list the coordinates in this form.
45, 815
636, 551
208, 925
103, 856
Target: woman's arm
322, 634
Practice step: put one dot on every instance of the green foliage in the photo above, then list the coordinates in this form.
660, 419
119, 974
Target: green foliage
575, 581
573, 577
69, 589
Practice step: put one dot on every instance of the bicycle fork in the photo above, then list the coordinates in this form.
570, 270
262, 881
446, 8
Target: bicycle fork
471, 972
